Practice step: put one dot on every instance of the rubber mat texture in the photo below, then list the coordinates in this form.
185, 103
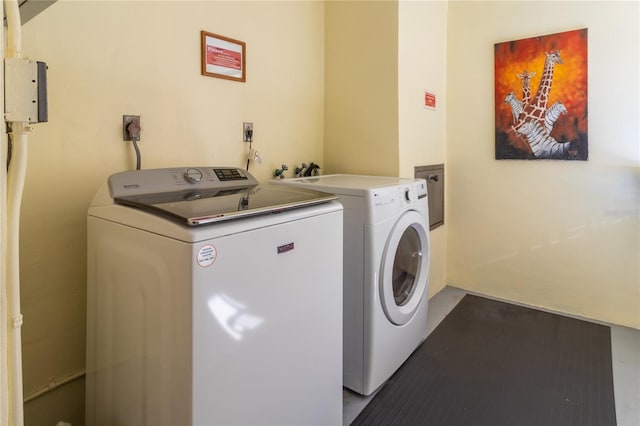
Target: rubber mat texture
493, 363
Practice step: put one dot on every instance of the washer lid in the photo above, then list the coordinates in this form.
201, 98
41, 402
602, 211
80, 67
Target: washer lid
212, 197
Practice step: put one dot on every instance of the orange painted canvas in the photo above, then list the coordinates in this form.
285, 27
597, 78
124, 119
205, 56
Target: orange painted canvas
541, 97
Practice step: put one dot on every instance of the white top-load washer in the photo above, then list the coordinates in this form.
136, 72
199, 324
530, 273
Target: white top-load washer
213, 300
386, 269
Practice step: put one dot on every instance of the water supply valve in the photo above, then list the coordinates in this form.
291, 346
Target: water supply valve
280, 172
299, 171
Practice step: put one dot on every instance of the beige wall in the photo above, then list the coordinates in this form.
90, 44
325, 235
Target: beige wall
556, 234
361, 81
422, 65
111, 58
380, 57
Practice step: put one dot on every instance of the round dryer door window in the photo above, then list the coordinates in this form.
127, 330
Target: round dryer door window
404, 269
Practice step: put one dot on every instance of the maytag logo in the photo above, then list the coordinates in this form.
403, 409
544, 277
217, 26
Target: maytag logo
131, 186
285, 248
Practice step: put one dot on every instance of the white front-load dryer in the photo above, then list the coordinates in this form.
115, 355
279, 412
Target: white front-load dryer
385, 273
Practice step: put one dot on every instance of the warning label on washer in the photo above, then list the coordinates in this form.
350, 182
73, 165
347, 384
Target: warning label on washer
207, 255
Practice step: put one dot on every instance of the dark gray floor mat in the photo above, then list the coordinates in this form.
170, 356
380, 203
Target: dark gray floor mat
493, 363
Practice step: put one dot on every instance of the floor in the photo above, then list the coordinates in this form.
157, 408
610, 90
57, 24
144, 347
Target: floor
625, 351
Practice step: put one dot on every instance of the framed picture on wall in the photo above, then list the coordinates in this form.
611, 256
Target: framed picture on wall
541, 97
223, 57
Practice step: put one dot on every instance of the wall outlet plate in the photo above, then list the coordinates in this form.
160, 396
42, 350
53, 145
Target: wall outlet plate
126, 119
247, 132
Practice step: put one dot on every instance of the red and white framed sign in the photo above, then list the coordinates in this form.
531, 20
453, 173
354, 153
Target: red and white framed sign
223, 57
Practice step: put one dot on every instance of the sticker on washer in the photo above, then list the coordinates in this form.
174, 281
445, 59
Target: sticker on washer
207, 255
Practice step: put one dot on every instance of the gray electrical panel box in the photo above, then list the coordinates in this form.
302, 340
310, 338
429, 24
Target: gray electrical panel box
434, 175
25, 91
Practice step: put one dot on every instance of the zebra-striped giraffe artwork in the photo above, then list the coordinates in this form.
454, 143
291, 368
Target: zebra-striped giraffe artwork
551, 115
551, 124
526, 76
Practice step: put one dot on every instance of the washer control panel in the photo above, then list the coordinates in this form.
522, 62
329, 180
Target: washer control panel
152, 181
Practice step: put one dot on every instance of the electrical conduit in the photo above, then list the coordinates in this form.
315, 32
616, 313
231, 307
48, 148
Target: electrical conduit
15, 181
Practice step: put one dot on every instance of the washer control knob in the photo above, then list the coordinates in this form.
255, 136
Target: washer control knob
193, 175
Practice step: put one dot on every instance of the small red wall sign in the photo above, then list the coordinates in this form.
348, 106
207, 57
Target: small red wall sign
429, 100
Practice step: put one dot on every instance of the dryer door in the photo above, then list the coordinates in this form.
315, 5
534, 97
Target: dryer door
405, 268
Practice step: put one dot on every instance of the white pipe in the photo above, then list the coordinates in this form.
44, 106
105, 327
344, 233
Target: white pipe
54, 384
15, 178
4, 350
14, 29
15, 181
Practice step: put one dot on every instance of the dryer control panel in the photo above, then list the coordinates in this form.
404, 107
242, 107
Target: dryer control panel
416, 191
388, 201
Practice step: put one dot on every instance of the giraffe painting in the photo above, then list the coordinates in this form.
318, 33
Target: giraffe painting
553, 123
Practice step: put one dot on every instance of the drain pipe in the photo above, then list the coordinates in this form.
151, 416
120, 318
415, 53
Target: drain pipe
15, 181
